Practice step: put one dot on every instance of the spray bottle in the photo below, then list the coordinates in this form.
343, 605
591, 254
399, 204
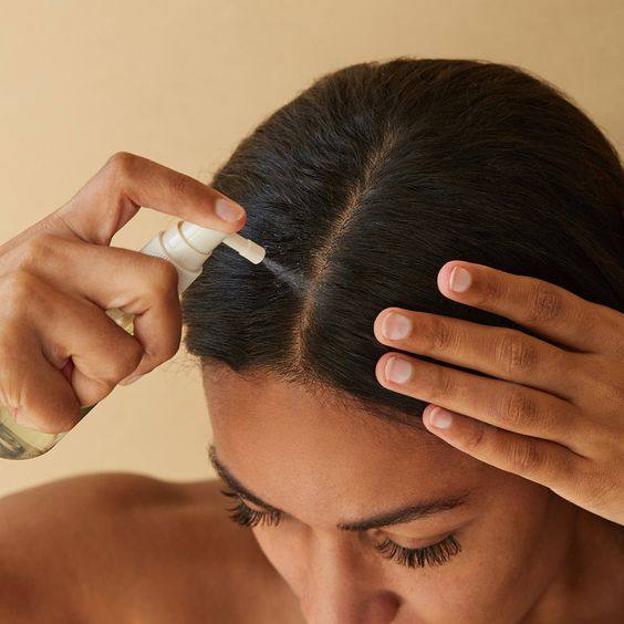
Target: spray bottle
186, 246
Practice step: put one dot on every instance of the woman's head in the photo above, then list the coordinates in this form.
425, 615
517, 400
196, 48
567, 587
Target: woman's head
362, 188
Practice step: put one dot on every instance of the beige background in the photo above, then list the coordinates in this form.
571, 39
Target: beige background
182, 82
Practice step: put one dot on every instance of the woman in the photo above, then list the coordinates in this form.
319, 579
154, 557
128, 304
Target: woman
362, 189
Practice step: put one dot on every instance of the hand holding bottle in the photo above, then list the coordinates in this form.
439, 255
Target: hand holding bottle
59, 349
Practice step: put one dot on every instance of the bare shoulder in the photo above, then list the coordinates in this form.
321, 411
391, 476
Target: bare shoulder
60, 538
136, 546
93, 490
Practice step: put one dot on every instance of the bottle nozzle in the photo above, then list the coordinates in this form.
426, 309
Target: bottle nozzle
188, 245
247, 248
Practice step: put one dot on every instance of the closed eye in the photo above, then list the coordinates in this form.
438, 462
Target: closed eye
434, 554
244, 515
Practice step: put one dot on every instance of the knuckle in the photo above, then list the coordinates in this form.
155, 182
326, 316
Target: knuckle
517, 409
165, 278
38, 250
525, 456
121, 367
513, 353
443, 385
121, 164
475, 438
440, 336
544, 303
18, 289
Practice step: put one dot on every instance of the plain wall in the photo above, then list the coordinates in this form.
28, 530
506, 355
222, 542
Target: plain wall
182, 82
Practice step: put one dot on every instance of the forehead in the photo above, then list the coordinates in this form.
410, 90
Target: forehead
303, 453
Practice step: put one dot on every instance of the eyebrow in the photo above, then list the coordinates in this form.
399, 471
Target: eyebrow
409, 513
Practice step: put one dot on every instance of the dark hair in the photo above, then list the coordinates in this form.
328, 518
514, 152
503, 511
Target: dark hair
367, 182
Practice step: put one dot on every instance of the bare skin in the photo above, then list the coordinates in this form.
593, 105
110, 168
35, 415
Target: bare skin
527, 555
130, 549
60, 351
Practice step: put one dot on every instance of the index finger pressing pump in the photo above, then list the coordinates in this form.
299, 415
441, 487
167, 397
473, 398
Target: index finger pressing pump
187, 246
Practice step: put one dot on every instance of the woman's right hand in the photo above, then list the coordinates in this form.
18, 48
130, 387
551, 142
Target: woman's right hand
59, 351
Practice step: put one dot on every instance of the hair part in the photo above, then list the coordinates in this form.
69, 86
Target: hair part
364, 185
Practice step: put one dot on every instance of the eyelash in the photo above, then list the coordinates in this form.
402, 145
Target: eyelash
247, 517
436, 554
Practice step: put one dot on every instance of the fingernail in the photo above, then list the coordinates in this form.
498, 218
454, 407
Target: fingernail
398, 370
130, 379
440, 418
460, 279
396, 326
228, 211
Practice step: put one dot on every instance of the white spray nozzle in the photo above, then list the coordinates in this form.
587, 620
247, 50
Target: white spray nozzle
246, 248
187, 246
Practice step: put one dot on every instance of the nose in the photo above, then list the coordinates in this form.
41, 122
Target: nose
341, 588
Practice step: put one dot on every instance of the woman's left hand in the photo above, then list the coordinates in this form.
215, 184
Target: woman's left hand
554, 416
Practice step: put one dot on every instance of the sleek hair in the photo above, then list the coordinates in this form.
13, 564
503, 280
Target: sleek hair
367, 182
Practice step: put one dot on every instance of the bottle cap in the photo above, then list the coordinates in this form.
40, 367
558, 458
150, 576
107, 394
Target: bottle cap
187, 246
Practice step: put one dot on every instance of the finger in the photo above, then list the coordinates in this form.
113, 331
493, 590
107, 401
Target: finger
126, 182
549, 310
65, 327
501, 403
504, 353
544, 462
117, 278
39, 394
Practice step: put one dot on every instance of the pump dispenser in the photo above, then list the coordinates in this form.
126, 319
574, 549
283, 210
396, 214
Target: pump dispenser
187, 246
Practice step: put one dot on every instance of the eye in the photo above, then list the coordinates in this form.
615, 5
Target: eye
436, 554
246, 516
